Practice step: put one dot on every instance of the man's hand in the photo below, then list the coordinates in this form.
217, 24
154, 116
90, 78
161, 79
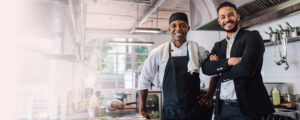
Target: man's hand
204, 100
234, 60
213, 57
144, 114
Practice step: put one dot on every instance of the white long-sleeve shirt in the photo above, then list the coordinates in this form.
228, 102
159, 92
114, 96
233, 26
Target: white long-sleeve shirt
155, 64
227, 88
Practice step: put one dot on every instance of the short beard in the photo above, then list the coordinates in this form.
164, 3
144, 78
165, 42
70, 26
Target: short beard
234, 29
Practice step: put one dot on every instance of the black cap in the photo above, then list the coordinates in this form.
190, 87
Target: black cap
179, 16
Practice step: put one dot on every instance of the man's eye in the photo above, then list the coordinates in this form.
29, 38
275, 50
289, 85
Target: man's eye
182, 25
173, 26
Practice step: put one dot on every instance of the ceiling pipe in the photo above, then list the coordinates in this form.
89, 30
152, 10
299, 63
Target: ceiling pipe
149, 13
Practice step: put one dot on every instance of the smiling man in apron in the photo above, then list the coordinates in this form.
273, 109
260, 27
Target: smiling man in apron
176, 64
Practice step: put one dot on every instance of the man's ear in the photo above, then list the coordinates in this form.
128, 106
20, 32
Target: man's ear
169, 28
189, 28
238, 17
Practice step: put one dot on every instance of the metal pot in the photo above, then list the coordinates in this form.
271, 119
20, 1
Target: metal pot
286, 98
290, 98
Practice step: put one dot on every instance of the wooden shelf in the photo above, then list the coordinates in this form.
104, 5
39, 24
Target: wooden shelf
272, 43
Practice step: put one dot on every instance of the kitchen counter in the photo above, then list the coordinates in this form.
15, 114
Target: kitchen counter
286, 113
111, 115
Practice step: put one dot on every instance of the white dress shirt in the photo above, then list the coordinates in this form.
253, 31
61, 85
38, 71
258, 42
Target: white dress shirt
155, 64
227, 88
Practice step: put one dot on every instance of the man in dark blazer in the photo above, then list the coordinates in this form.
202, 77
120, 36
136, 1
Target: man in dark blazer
237, 61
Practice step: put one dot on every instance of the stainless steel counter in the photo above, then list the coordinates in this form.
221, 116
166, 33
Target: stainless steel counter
111, 115
286, 113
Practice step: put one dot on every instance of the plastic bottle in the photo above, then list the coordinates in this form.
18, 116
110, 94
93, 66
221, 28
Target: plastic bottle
275, 96
93, 101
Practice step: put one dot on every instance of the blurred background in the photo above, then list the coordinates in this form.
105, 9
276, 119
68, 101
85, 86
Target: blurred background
60, 58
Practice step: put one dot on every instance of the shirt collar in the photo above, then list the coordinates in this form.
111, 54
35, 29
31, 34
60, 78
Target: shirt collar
173, 45
232, 37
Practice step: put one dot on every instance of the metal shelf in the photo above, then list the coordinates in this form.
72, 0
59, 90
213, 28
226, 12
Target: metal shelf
272, 43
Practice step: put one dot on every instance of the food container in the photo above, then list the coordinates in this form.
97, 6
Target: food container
101, 111
92, 112
96, 111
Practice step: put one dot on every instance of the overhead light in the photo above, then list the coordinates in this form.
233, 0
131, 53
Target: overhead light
145, 30
129, 43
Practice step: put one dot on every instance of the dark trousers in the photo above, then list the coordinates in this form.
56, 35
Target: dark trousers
232, 111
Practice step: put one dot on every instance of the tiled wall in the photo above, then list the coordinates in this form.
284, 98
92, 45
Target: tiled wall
274, 73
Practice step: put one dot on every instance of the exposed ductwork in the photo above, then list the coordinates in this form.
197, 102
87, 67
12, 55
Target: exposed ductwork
148, 13
252, 12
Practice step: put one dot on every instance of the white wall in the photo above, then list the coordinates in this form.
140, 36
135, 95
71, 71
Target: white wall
273, 73
206, 39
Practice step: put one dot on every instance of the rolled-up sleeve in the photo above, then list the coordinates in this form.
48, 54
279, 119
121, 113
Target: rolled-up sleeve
149, 71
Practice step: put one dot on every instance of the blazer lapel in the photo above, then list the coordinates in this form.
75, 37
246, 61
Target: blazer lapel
223, 49
237, 38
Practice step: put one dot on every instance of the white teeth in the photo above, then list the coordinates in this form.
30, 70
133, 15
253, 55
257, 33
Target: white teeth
178, 34
229, 24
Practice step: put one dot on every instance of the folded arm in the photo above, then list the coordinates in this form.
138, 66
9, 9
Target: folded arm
213, 65
252, 56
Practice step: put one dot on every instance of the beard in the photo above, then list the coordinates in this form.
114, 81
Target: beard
234, 29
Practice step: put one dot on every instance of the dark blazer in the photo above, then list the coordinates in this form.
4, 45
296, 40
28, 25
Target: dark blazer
251, 93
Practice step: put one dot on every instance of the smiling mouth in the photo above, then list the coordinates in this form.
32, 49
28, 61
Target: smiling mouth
229, 24
178, 34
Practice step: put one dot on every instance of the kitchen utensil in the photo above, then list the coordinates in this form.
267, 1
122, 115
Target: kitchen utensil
287, 33
281, 45
295, 31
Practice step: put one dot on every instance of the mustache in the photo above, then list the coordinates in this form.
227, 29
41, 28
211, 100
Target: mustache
231, 21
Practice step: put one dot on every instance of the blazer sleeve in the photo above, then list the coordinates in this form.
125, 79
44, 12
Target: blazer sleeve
214, 67
252, 56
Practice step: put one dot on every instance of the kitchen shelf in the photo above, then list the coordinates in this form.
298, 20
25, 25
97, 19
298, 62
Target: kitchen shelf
272, 43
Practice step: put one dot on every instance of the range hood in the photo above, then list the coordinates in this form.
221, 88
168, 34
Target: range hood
252, 12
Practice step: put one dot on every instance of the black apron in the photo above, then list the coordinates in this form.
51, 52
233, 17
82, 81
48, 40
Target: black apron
180, 91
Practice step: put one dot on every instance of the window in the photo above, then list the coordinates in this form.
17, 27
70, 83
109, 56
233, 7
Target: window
116, 66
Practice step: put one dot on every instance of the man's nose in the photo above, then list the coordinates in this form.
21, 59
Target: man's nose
227, 19
178, 28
